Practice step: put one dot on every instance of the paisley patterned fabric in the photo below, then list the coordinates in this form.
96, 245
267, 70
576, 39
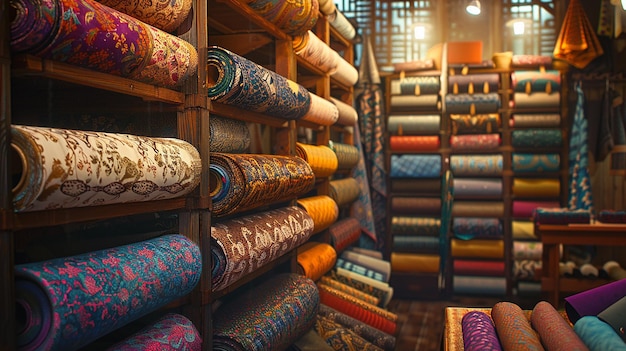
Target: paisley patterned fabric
228, 135
341, 338
533, 163
580, 195
68, 168
165, 15
243, 244
514, 329
537, 138
98, 37
476, 165
479, 333
71, 301
474, 124
172, 332
292, 17
271, 316
247, 85
241, 182
415, 166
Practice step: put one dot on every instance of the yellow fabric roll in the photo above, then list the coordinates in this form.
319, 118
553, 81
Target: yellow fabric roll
536, 187
315, 259
321, 158
477, 248
523, 230
415, 263
322, 208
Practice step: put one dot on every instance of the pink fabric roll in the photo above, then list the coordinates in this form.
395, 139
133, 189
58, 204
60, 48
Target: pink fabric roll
524, 209
475, 141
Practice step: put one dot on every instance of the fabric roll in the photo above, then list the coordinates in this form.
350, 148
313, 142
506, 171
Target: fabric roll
413, 124
374, 316
338, 21
249, 86
415, 244
241, 182
348, 116
484, 83
593, 301
477, 228
527, 250
416, 263
412, 103
535, 120
474, 124
614, 270
420, 206
531, 60
415, 226
479, 267
371, 286
347, 155
321, 158
555, 332
321, 111
102, 39
537, 100
514, 329
479, 285
612, 216
477, 188
165, 15
415, 166
414, 143
64, 168
535, 81
597, 335
479, 333
292, 17
478, 209
533, 163
614, 316
416, 65
556, 215
537, 138
476, 165
526, 208
313, 50
327, 7
481, 248
344, 233
523, 229
69, 302
271, 316
422, 85
340, 337
383, 340
315, 259
172, 332
536, 187
335, 284
322, 208
472, 103
235, 254
228, 135
359, 269
475, 142
375, 264
344, 191
346, 73
426, 187
524, 270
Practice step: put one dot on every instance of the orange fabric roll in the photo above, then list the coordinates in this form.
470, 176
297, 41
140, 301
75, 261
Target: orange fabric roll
315, 259
321, 158
410, 143
322, 208
409, 262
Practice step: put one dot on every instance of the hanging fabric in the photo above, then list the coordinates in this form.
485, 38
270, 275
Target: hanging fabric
577, 42
580, 196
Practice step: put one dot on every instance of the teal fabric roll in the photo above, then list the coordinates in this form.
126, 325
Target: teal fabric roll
415, 166
537, 138
597, 335
476, 165
536, 81
533, 163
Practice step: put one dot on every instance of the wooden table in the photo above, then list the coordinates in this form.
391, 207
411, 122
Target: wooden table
572, 234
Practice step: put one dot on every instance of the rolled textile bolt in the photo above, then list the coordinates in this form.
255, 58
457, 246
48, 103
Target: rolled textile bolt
564, 269
588, 270
614, 270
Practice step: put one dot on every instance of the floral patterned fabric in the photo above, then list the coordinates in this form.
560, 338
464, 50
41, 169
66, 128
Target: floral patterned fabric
172, 332
68, 168
91, 35
166, 15
71, 301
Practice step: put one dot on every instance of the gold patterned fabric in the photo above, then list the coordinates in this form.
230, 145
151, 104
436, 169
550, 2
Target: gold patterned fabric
241, 182
62, 168
166, 15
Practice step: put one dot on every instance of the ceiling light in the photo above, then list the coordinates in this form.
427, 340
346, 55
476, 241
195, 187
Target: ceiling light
473, 8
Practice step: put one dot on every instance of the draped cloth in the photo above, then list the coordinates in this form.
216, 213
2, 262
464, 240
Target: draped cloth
580, 195
372, 129
64, 168
235, 253
271, 316
241, 182
103, 39
577, 42
70, 302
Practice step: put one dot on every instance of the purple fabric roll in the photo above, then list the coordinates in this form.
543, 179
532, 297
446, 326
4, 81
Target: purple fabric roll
479, 333
172, 332
555, 333
594, 301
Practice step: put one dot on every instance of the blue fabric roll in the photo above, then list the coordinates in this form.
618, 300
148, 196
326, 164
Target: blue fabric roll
476, 165
597, 335
533, 163
415, 166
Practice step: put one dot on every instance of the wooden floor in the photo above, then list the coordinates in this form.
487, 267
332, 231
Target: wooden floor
421, 322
